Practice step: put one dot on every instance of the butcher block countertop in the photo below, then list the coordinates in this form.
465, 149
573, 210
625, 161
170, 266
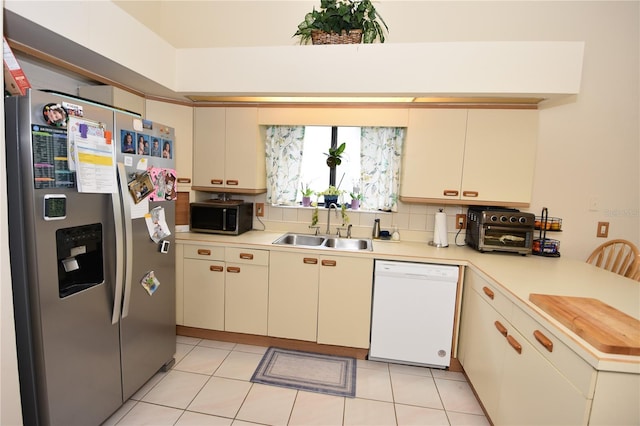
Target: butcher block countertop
517, 277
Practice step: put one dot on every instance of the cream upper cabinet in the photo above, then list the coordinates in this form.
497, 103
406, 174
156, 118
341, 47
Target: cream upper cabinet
499, 156
433, 152
344, 301
228, 152
461, 156
180, 117
293, 295
114, 96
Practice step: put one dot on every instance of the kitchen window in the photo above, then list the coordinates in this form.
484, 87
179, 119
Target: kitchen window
371, 161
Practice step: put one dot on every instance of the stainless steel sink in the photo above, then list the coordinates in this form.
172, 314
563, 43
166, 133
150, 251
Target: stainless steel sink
348, 244
300, 240
324, 242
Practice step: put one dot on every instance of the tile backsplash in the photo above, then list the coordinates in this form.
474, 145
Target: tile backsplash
415, 222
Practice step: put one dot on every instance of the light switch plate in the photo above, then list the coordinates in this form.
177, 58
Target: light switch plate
603, 230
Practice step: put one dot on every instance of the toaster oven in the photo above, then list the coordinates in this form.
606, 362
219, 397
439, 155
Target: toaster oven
499, 229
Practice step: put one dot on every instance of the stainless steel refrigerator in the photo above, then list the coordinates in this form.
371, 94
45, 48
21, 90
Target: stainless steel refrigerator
93, 272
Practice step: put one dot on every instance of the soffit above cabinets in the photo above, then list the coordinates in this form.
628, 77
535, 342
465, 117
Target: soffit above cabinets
522, 73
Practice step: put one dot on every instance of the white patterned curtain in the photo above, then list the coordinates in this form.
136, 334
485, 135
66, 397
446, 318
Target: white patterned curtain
284, 146
380, 158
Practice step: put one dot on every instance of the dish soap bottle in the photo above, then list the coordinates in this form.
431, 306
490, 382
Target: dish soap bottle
395, 236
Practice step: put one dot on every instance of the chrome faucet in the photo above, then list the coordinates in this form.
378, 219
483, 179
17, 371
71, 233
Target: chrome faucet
329, 216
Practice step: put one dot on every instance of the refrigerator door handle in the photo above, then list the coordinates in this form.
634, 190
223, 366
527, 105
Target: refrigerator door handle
117, 218
125, 213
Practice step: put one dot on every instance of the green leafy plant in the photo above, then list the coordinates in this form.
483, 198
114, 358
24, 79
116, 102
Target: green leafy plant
306, 190
332, 190
334, 157
356, 196
343, 15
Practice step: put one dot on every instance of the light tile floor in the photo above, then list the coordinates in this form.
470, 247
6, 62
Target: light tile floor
209, 385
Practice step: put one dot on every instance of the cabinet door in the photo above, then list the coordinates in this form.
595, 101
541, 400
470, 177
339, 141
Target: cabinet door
180, 117
209, 147
534, 392
344, 301
499, 155
433, 152
483, 345
204, 294
246, 298
245, 153
293, 295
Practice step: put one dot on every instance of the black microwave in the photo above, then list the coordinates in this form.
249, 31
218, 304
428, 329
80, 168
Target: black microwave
231, 217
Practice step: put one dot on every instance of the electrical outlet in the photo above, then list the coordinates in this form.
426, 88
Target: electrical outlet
260, 209
461, 221
603, 230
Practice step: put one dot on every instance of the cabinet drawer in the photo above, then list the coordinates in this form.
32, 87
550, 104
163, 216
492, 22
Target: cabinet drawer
574, 368
204, 252
252, 257
490, 294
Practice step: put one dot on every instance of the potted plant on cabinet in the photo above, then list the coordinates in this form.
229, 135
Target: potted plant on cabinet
307, 192
342, 22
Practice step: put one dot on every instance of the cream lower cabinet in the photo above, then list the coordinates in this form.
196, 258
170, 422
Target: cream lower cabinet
293, 295
469, 156
246, 290
515, 380
203, 286
344, 301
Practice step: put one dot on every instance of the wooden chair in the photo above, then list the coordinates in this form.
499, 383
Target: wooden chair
618, 256
634, 270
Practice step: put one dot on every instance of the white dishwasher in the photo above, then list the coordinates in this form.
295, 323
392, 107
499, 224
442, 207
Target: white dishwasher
413, 312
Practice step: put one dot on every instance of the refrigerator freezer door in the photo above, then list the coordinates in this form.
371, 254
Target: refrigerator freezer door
68, 349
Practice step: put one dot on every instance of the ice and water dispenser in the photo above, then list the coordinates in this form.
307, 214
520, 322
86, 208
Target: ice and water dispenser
80, 258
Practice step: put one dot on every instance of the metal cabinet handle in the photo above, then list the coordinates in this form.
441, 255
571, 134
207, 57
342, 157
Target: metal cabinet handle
488, 292
233, 269
246, 256
310, 261
501, 328
204, 252
216, 268
184, 180
469, 193
514, 344
216, 181
326, 262
450, 193
543, 340
232, 182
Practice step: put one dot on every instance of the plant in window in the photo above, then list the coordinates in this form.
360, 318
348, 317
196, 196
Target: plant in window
306, 190
342, 17
334, 157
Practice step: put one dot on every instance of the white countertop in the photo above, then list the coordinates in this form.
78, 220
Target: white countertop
516, 276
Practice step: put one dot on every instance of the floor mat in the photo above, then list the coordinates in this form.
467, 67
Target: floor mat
328, 374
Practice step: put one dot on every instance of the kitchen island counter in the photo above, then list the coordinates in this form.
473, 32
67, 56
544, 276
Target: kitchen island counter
515, 276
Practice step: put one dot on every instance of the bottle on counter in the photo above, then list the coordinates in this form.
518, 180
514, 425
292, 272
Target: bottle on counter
376, 229
395, 235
